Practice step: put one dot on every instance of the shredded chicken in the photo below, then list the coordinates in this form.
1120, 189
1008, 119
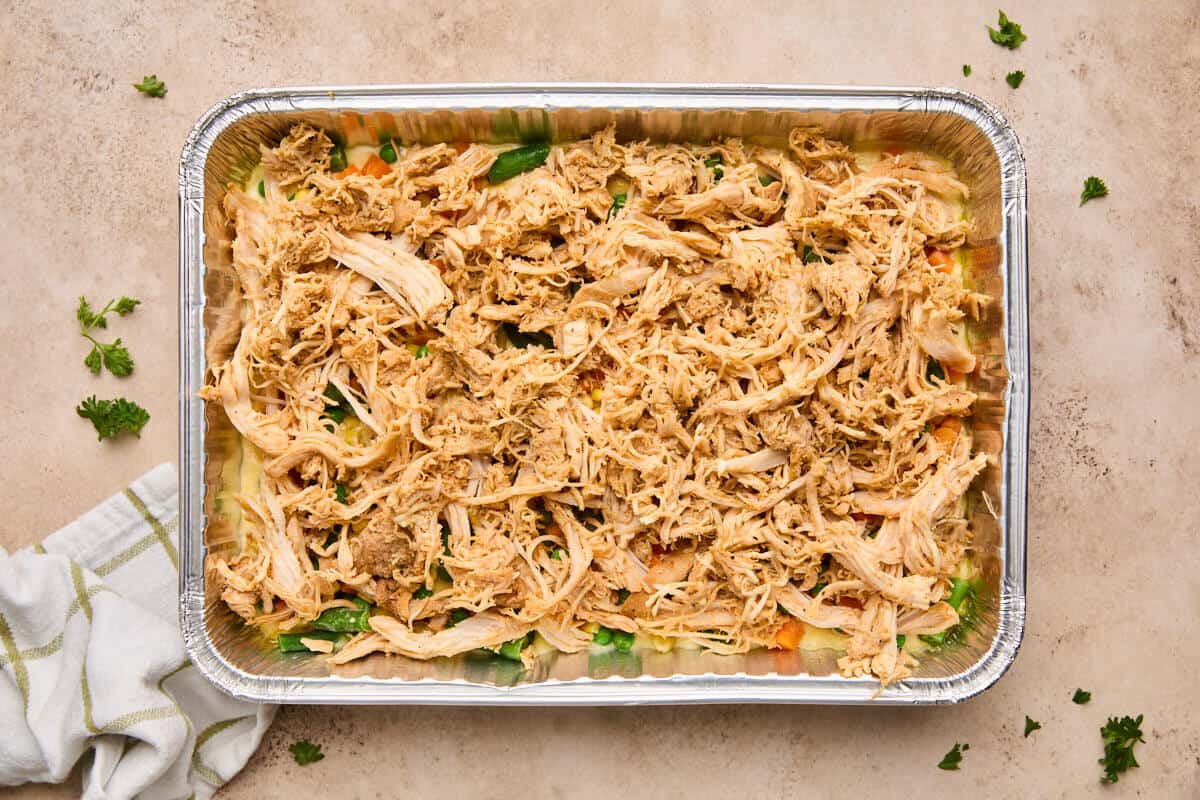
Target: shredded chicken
493, 410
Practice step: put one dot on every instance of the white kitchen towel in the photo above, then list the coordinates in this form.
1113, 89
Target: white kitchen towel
91, 659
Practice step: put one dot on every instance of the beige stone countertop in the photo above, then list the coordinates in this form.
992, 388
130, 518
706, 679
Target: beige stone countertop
88, 206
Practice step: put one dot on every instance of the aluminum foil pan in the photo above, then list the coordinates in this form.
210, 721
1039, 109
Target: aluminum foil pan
952, 123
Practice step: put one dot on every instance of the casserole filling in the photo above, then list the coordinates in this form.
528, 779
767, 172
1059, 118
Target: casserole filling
601, 394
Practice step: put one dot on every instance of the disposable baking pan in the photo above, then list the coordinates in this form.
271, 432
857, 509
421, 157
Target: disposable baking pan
949, 122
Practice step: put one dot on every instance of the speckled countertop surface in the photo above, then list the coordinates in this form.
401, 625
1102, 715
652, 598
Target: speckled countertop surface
88, 205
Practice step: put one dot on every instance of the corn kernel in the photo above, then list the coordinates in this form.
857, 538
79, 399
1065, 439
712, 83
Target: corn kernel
663, 644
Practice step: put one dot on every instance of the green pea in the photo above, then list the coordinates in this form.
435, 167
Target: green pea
337, 159
622, 641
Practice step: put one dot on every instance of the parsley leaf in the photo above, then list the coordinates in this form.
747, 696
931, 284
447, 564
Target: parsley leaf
339, 491
125, 305
89, 319
305, 752
951, 760
1093, 187
151, 86
1120, 736
1031, 725
92, 361
116, 358
966, 70
1014, 78
111, 418
113, 356
1080, 697
1009, 35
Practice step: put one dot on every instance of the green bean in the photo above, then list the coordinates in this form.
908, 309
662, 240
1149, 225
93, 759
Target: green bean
958, 592
522, 339
514, 162
422, 593
557, 554
338, 407
262, 189
512, 650
388, 153
603, 636
422, 351
934, 370
290, 642
457, 615
618, 204
900, 640
339, 491
344, 620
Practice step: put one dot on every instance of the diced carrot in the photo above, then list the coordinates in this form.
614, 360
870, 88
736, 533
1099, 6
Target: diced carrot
376, 167
461, 147
947, 432
941, 260
790, 634
350, 170
953, 375
849, 602
894, 150
554, 530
